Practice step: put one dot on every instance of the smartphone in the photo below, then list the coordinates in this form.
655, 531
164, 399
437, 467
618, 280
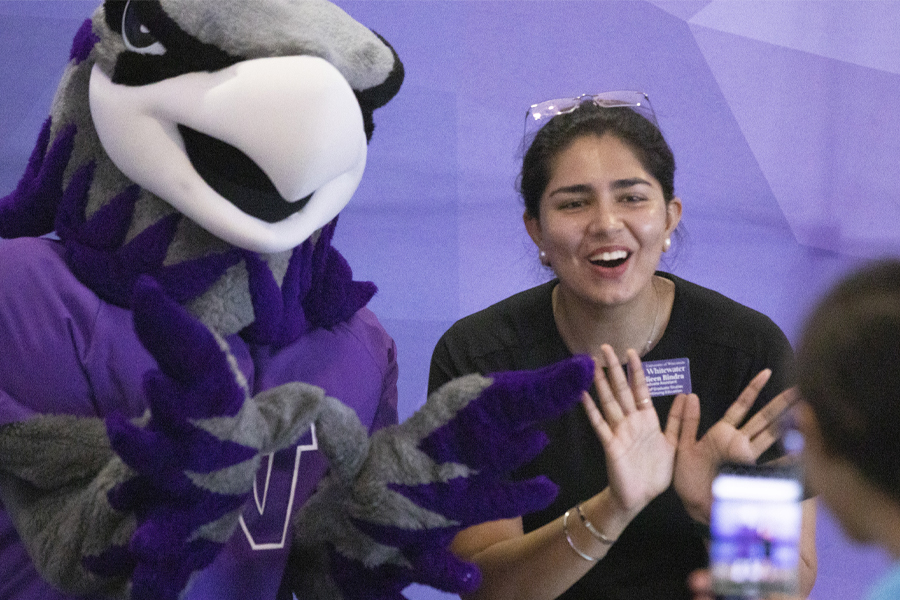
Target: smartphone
755, 528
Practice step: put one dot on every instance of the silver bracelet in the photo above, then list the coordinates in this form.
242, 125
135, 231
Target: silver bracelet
586, 557
590, 527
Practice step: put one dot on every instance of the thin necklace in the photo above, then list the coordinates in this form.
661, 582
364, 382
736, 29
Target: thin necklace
560, 307
655, 317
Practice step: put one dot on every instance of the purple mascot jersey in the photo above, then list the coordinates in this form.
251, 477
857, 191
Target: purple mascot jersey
66, 350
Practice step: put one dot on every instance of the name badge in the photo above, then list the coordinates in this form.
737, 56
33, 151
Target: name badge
668, 377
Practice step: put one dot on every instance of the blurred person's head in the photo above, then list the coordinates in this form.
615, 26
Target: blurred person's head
848, 364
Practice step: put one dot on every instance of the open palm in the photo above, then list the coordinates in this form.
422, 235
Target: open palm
698, 461
640, 457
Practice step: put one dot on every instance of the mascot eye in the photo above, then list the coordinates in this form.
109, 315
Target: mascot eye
136, 35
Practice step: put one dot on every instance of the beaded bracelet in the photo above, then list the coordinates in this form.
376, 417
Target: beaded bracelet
586, 557
594, 531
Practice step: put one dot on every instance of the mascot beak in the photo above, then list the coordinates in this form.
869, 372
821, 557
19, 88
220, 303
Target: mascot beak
261, 154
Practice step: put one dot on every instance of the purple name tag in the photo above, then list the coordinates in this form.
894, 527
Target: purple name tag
668, 377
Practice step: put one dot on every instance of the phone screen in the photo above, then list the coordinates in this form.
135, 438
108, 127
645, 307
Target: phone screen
755, 526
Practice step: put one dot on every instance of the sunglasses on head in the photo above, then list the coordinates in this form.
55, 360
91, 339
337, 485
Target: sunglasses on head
538, 114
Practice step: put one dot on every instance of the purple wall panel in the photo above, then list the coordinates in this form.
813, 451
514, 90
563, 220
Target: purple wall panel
780, 115
823, 134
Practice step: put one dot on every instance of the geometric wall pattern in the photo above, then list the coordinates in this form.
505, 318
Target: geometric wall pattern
782, 116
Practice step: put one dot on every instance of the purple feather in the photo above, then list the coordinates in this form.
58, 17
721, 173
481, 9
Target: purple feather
489, 432
31, 208
83, 43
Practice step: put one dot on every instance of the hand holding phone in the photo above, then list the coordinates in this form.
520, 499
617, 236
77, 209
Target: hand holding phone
755, 526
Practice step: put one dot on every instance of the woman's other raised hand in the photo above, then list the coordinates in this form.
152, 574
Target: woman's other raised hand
698, 461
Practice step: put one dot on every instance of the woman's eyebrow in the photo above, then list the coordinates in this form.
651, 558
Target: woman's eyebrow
578, 188
627, 183
583, 188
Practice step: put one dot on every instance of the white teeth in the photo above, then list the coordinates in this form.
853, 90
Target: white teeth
608, 256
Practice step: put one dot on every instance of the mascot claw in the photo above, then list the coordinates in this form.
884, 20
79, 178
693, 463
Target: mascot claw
196, 454
389, 522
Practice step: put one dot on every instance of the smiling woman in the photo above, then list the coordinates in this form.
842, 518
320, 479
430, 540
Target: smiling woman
602, 225
598, 187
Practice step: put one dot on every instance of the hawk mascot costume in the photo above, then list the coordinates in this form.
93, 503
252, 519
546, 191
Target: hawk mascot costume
194, 400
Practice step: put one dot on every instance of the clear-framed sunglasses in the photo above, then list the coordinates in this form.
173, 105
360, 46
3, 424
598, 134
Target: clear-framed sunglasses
538, 114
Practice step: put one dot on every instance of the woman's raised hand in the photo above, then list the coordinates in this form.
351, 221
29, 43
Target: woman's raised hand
639, 455
698, 461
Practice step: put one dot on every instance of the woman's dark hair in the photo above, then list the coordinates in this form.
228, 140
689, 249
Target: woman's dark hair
640, 134
848, 367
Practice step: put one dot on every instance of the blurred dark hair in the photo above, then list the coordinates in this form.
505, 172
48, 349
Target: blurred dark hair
848, 365
640, 134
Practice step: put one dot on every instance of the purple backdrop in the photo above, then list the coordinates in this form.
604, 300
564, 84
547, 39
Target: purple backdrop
780, 115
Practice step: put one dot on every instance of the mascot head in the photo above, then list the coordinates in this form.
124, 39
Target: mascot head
208, 143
